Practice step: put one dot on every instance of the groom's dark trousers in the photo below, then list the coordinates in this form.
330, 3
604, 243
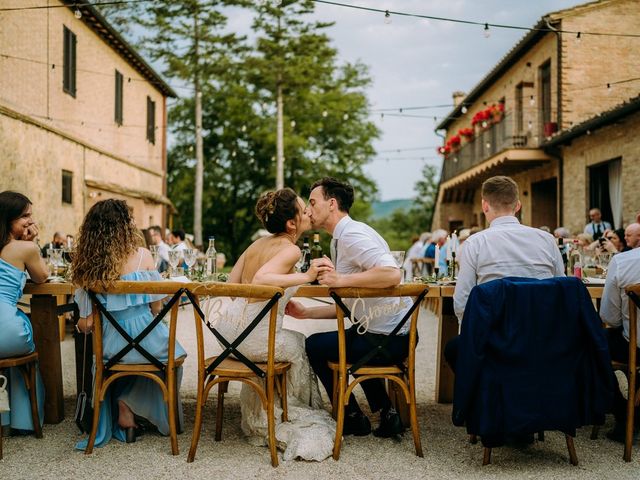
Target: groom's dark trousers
323, 347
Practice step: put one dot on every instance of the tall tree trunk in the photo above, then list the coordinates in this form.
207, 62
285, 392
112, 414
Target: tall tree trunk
279, 139
197, 197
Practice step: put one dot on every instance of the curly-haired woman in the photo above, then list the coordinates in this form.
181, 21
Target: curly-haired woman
18, 252
271, 260
108, 250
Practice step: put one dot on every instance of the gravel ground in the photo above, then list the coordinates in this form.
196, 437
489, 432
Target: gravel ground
447, 451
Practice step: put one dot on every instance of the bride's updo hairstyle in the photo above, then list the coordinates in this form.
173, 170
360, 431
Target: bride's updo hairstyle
274, 209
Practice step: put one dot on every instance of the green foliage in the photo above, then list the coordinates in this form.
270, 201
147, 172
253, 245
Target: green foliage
399, 227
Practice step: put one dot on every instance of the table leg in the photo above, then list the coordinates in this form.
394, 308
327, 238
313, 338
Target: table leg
448, 329
44, 320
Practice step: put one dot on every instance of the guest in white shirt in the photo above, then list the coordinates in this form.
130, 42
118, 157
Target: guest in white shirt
178, 237
596, 226
360, 258
623, 271
415, 251
505, 249
156, 238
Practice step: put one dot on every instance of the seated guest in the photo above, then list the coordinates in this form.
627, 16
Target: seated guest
623, 271
505, 249
59, 241
415, 251
585, 241
596, 226
438, 240
163, 249
107, 250
176, 240
18, 252
613, 241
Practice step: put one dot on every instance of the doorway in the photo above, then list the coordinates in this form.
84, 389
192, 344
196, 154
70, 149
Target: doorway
544, 203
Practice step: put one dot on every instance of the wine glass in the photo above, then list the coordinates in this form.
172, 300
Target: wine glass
174, 260
154, 254
603, 262
190, 255
55, 261
398, 256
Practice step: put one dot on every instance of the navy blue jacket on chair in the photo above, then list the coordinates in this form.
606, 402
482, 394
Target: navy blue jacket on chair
533, 356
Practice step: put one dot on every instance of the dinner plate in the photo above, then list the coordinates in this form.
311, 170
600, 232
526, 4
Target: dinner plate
594, 281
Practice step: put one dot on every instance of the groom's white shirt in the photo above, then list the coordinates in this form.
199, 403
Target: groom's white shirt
360, 248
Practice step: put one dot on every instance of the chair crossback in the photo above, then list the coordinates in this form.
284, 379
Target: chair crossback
231, 348
379, 347
134, 343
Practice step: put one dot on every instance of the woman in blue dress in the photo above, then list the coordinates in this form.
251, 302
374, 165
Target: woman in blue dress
108, 250
18, 252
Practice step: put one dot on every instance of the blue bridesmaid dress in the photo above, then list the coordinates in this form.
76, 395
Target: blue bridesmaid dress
142, 395
16, 340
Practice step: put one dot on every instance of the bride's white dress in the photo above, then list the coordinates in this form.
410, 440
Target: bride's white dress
310, 431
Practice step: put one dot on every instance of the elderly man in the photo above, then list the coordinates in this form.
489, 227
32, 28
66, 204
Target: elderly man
623, 271
505, 249
438, 239
596, 226
360, 257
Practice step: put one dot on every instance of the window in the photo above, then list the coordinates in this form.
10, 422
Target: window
151, 120
545, 94
69, 62
519, 109
119, 92
67, 184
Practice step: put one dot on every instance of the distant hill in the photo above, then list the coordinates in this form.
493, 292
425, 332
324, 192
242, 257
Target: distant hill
384, 209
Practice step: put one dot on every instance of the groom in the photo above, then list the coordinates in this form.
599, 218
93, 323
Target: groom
360, 257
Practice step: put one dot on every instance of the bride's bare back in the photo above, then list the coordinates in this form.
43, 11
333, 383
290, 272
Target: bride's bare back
260, 252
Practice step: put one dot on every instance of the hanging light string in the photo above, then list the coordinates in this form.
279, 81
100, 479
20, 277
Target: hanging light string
401, 109
485, 25
75, 5
413, 149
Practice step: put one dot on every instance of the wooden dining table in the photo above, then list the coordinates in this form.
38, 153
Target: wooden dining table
44, 318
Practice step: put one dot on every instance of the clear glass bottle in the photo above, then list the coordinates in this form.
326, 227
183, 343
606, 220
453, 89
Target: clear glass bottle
211, 266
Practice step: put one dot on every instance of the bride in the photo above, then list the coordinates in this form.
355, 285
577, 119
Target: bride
309, 433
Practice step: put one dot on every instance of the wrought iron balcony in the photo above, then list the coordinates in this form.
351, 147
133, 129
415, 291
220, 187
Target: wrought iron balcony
509, 133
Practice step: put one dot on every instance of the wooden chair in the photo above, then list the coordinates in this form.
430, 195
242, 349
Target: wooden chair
633, 293
222, 369
27, 366
402, 375
164, 374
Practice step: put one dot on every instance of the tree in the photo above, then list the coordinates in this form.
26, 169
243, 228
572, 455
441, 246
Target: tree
188, 38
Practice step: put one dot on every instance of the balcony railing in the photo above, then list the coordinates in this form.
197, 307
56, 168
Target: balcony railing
497, 137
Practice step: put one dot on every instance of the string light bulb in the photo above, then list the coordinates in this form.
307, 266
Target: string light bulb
244, 128
387, 17
532, 101
345, 116
78, 14
293, 124
529, 125
578, 37
464, 109
487, 32
609, 89
325, 113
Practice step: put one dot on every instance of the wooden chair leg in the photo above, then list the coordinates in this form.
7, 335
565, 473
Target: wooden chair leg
339, 421
197, 425
631, 402
271, 422
415, 429
573, 457
171, 410
541, 436
33, 398
283, 397
594, 432
334, 396
96, 416
222, 388
486, 459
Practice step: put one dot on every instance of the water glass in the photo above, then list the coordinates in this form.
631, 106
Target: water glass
174, 261
190, 255
398, 256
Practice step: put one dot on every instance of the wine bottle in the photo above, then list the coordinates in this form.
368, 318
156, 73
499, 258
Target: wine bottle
306, 255
212, 267
316, 251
